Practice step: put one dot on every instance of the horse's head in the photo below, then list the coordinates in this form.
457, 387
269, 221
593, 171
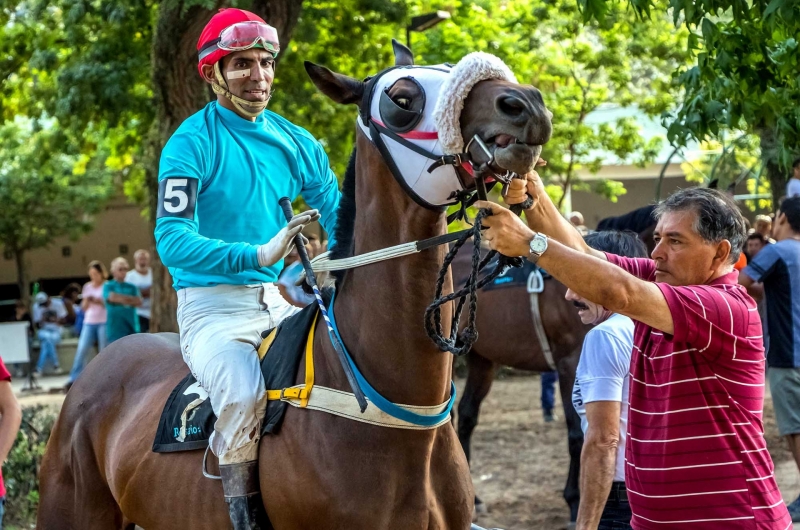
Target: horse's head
436, 125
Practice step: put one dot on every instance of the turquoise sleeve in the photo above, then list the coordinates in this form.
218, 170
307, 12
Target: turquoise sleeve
180, 246
321, 191
178, 241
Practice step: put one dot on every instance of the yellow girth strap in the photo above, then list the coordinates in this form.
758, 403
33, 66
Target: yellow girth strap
300, 392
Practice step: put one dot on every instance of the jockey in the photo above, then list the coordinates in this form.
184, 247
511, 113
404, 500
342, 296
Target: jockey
222, 234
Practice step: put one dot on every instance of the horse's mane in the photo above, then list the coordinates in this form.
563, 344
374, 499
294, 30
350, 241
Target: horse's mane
344, 231
638, 220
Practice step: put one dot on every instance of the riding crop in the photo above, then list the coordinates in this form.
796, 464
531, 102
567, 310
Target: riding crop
311, 280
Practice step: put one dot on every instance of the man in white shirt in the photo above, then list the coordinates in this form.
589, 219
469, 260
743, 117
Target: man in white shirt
600, 396
793, 186
142, 277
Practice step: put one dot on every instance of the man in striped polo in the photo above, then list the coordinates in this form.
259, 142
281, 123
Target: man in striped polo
695, 454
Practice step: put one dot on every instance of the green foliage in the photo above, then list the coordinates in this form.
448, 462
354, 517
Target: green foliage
47, 188
578, 68
745, 75
86, 65
21, 470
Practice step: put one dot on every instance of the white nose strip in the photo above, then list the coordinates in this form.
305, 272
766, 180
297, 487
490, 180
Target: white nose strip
238, 74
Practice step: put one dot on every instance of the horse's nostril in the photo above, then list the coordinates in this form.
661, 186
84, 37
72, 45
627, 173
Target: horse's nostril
511, 106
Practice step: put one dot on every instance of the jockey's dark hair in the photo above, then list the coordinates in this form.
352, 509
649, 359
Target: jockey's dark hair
622, 243
344, 231
796, 162
790, 207
718, 217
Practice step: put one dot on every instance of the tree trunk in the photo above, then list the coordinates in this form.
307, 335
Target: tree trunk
179, 92
23, 283
769, 155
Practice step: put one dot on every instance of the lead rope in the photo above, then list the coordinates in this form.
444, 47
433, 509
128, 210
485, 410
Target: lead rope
460, 343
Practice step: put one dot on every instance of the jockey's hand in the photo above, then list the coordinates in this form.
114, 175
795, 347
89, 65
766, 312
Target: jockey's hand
280, 245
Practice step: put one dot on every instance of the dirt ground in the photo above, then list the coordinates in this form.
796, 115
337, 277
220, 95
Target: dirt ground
520, 463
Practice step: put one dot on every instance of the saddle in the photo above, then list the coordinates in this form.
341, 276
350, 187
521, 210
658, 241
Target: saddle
187, 420
529, 274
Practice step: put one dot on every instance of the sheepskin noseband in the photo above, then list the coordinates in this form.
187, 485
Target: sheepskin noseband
425, 159
472, 69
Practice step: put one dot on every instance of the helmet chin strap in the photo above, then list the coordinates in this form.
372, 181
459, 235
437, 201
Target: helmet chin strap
250, 109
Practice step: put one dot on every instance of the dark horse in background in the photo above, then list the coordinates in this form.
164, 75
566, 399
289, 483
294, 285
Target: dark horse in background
503, 310
321, 471
507, 337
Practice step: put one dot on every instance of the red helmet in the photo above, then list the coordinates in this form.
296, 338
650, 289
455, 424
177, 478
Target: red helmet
251, 28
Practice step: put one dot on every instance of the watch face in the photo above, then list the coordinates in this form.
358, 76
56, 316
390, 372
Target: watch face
538, 245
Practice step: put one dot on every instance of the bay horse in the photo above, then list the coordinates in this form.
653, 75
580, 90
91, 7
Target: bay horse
507, 338
320, 471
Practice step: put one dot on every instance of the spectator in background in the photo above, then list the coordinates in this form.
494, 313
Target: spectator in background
10, 419
94, 320
21, 314
793, 186
548, 397
755, 242
600, 397
122, 299
777, 267
576, 218
70, 296
43, 302
142, 277
764, 226
49, 332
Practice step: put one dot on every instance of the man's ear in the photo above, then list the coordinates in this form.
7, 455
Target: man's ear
723, 253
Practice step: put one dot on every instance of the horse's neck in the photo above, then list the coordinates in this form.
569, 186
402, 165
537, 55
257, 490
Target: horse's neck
380, 307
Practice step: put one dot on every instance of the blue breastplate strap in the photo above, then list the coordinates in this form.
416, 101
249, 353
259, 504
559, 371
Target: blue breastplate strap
381, 402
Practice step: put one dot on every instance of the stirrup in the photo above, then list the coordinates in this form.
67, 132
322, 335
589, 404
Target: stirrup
206, 473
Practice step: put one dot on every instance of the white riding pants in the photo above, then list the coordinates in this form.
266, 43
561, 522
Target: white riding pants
220, 333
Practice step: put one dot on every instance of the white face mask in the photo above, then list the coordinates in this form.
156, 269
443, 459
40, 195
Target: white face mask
437, 131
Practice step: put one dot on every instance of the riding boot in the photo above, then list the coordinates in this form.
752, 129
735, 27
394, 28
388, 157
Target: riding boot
243, 495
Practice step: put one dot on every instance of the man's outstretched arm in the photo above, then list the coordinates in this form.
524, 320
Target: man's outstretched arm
592, 277
544, 217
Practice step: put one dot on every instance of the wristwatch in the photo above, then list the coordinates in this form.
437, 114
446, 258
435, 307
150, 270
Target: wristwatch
537, 247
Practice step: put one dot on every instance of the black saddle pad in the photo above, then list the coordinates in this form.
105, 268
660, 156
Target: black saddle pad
512, 277
187, 420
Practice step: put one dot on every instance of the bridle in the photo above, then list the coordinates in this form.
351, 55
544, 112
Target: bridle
476, 158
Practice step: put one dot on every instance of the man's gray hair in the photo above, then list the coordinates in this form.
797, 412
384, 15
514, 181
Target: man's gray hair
718, 217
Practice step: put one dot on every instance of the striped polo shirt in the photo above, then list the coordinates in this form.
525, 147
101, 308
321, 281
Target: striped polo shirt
696, 457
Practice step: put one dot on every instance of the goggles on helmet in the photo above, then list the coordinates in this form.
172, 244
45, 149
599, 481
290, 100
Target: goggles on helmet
243, 36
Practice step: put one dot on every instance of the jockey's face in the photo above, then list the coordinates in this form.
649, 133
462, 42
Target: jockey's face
253, 87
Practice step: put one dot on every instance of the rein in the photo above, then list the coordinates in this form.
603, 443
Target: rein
460, 343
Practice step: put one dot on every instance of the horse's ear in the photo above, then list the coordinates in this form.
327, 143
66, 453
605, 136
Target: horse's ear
340, 88
402, 55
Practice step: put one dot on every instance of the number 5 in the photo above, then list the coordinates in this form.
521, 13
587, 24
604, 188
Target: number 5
171, 192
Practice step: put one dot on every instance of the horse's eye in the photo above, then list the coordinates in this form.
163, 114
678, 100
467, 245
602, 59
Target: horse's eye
404, 103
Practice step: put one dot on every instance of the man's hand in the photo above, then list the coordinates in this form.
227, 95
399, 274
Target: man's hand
505, 232
280, 245
520, 188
